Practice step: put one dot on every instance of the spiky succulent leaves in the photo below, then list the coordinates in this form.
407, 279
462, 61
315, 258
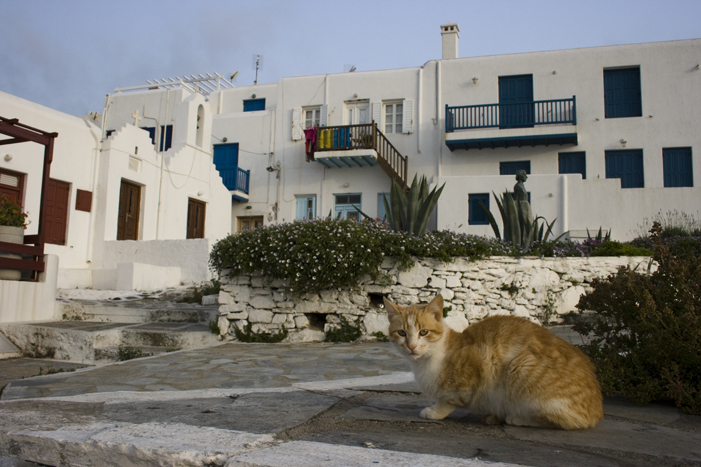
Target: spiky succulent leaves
363, 214
502, 212
399, 206
512, 219
412, 206
427, 203
490, 218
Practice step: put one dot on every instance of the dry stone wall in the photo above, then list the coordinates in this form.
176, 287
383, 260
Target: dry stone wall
540, 289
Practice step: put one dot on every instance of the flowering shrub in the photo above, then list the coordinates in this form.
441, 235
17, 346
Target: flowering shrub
319, 254
11, 213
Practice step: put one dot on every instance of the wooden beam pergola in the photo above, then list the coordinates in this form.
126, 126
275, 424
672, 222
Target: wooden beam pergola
33, 244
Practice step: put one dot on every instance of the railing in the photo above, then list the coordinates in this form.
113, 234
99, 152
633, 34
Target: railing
521, 115
366, 136
236, 179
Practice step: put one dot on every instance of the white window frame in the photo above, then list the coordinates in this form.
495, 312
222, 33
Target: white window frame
303, 210
315, 119
393, 121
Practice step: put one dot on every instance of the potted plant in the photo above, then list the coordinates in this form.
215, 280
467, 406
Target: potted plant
12, 224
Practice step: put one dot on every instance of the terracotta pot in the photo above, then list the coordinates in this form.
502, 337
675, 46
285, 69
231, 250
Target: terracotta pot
11, 235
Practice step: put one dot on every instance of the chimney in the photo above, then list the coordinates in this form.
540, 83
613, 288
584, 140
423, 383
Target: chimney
450, 33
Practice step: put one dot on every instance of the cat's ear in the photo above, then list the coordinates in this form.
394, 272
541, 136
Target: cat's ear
435, 307
391, 308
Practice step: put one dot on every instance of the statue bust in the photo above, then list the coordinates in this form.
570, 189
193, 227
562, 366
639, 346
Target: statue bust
520, 193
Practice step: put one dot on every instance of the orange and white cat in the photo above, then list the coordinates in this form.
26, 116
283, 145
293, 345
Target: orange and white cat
505, 367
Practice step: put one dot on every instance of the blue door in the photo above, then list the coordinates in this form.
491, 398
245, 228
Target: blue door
622, 95
226, 161
516, 101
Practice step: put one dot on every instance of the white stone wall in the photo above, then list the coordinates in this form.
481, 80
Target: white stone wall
539, 289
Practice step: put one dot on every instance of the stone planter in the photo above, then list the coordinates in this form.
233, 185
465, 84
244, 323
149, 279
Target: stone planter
11, 235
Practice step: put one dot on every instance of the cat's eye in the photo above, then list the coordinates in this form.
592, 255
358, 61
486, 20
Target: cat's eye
423, 332
402, 332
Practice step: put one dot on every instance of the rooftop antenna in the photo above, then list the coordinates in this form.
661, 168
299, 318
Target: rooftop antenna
257, 64
233, 76
347, 68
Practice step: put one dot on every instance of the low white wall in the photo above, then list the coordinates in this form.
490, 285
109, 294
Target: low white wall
145, 277
190, 256
30, 301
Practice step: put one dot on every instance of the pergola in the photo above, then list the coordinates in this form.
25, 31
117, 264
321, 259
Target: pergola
20, 133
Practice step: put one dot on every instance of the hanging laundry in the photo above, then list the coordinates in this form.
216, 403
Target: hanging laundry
310, 142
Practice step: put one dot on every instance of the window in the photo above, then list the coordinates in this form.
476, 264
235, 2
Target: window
346, 206
166, 136
12, 185
676, 163
394, 117
195, 218
312, 116
626, 164
573, 163
622, 96
357, 112
381, 212
251, 105
306, 207
511, 167
249, 223
476, 215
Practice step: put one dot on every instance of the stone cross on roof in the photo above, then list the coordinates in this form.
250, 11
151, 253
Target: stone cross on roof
136, 117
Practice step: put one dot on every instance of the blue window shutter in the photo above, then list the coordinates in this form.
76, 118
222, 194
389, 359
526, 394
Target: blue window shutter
511, 167
166, 137
303, 210
251, 105
573, 163
226, 161
151, 132
381, 213
677, 167
622, 93
627, 165
476, 215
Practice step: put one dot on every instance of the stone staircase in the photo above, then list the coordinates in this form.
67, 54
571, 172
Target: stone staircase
109, 330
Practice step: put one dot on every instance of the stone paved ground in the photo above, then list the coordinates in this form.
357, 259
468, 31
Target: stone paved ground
298, 404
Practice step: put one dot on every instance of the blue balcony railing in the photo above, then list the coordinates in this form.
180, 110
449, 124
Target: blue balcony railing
521, 115
236, 179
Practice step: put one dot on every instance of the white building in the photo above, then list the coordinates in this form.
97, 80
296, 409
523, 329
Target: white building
124, 213
607, 134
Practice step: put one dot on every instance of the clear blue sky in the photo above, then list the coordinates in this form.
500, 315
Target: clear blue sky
69, 54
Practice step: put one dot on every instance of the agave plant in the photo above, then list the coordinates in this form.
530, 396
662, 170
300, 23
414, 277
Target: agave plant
600, 237
518, 230
410, 212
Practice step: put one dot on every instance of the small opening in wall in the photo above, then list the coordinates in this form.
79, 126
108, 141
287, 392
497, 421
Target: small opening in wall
136, 150
376, 300
316, 321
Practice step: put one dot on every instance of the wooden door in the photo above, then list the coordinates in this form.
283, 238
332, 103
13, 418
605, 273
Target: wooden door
129, 211
195, 218
57, 212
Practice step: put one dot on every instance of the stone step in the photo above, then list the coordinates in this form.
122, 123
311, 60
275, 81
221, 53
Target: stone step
98, 342
135, 312
8, 349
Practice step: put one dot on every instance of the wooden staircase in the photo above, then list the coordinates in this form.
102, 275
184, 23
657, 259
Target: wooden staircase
366, 136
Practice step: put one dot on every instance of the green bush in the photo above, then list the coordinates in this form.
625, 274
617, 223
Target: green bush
346, 332
613, 248
646, 333
247, 335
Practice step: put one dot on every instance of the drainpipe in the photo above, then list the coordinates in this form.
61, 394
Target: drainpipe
162, 153
437, 119
96, 174
563, 204
419, 95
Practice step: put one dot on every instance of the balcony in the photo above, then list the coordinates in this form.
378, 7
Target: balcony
359, 146
533, 123
237, 181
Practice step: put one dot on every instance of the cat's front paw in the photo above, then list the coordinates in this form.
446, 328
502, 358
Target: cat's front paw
430, 414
